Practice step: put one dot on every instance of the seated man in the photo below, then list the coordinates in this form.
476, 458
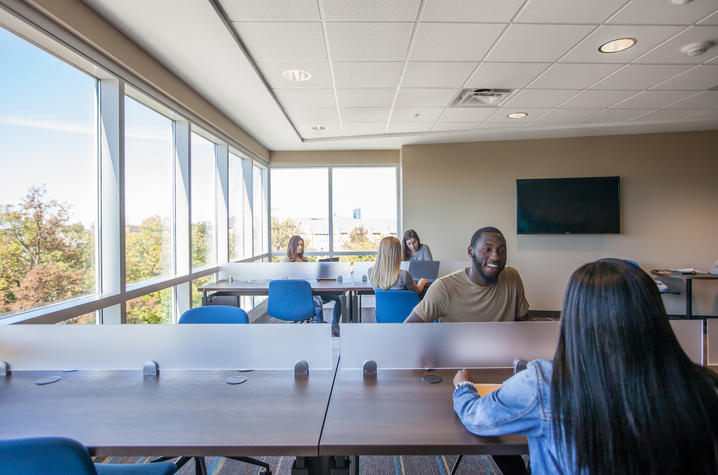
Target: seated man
484, 292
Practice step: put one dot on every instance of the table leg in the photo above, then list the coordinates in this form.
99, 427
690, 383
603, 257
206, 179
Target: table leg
204, 298
689, 298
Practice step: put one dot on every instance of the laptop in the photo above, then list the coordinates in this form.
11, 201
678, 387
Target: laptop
428, 270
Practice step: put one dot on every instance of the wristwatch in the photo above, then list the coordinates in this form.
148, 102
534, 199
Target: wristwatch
464, 383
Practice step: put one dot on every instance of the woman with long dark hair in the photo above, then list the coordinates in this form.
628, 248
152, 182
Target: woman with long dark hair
414, 250
620, 396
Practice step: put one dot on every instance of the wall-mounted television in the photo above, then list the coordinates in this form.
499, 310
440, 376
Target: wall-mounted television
588, 205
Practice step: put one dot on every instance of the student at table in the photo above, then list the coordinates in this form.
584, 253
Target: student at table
295, 253
414, 250
386, 273
620, 395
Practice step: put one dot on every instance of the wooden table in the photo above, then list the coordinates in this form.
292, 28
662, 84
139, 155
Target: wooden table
688, 278
396, 413
179, 413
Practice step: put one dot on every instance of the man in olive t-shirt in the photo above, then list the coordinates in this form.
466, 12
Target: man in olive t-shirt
484, 292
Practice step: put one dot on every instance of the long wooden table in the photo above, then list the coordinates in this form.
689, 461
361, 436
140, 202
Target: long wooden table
688, 279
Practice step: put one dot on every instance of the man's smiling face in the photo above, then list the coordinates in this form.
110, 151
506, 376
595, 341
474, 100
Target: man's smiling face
489, 257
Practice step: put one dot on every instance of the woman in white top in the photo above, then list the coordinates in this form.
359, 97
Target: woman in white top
386, 273
414, 250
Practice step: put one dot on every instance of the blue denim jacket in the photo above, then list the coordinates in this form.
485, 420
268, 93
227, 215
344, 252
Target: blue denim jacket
522, 406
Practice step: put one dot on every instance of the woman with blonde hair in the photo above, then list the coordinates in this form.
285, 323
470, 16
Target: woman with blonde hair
386, 273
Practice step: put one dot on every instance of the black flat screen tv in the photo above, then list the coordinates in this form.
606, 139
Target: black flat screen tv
568, 206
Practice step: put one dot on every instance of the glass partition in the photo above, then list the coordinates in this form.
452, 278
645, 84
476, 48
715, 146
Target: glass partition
203, 173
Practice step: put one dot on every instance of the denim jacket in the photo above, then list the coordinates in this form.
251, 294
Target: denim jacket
522, 406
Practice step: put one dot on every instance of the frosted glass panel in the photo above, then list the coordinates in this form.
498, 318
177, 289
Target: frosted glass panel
712, 338
469, 345
283, 270
192, 347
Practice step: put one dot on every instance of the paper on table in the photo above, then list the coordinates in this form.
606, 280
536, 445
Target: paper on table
484, 389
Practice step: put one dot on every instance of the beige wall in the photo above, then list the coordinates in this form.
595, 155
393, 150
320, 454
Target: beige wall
669, 205
336, 157
74, 16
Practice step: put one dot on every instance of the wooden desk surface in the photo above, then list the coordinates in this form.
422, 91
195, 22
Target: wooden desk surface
397, 413
255, 286
180, 413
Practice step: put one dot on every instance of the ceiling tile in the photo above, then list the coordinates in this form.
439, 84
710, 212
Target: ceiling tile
364, 114
710, 19
253, 10
367, 73
697, 79
664, 115
425, 97
466, 114
616, 115
639, 76
652, 99
312, 114
436, 75
409, 127
536, 43
703, 100
379, 97
500, 115
514, 124
278, 41
364, 41
539, 98
648, 37
370, 10
290, 98
363, 128
454, 41
652, 12
409, 114
670, 51
505, 75
490, 11
566, 116
573, 76
445, 126
272, 72
596, 99
573, 11
305, 129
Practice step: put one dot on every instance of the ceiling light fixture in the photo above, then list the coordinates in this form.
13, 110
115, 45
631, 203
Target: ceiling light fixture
614, 46
517, 115
680, 2
318, 128
296, 75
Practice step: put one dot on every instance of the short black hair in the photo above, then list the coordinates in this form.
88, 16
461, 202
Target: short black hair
479, 232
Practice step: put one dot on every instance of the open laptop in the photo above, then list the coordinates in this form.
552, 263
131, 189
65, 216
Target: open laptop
428, 270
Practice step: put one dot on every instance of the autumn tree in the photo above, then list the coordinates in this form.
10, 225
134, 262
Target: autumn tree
282, 231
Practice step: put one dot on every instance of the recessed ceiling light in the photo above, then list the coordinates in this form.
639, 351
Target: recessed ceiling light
318, 128
517, 115
614, 46
680, 2
296, 75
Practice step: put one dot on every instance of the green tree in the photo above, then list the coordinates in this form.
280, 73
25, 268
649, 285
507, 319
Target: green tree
147, 252
199, 244
282, 231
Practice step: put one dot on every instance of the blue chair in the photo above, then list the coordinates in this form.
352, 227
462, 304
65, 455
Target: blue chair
393, 306
291, 300
63, 456
662, 287
214, 314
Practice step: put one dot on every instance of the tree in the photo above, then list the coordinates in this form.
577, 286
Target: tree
282, 231
147, 252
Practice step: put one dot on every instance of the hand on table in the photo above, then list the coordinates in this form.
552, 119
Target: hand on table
461, 376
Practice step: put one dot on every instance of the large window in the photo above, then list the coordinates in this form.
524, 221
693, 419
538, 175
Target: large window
48, 178
203, 201
363, 208
259, 183
148, 198
237, 204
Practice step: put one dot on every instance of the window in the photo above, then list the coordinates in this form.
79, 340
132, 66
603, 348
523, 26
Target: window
364, 207
300, 205
202, 189
48, 184
237, 204
151, 308
149, 177
259, 185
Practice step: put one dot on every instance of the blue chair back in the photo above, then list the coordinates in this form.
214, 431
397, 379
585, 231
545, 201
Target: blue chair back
290, 300
46, 456
632, 262
393, 306
214, 314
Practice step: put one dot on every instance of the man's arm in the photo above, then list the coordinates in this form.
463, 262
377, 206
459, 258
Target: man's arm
413, 318
523, 318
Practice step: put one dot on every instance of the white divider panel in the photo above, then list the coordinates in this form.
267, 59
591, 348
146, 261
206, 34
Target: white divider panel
361, 268
447, 267
470, 345
690, 336
446, 345
186, 347
283, 270
711, 336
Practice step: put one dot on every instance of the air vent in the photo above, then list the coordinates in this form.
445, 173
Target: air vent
481, 97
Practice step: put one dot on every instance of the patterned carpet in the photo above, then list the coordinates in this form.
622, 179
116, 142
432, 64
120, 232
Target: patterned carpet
368, 465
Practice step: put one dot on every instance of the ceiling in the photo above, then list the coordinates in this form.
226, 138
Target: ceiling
384, 73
